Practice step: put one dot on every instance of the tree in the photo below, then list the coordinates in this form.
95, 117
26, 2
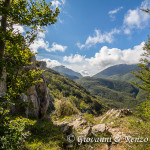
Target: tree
144, 109
32, 14
14, 46
14, 58
144, 72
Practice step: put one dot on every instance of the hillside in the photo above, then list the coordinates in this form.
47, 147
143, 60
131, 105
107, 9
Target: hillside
116, 94
67, 72
62, 87
118, 72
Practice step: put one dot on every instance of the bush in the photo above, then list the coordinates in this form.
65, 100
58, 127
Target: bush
65, 108
13, 133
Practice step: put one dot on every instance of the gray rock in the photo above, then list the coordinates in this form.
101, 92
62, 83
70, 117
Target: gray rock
99, 128
42, 65
69, 146
78, 123
67, 129
3, 87
86, 131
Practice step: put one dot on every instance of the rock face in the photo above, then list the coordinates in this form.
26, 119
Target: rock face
38, 96
3, 85
38, 101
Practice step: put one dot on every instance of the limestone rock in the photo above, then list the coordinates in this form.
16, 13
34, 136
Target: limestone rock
86, 131
78, 123
43, 98
42, 65
3, 87
99, 128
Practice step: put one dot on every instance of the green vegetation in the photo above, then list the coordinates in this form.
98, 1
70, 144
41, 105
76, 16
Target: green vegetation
80, 98
144, 110
15, 57
65, 108
114, 93
46, 136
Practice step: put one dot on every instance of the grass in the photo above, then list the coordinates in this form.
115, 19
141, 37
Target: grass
45, 136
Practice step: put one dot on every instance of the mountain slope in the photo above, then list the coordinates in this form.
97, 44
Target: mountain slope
116, 94
118, 72
67, 72
64, 88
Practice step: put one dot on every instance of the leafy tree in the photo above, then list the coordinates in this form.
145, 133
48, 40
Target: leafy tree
144, 73
144, 109
14, 59
32, 14
14, 47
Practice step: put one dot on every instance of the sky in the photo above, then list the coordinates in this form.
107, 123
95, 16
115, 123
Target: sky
92, 35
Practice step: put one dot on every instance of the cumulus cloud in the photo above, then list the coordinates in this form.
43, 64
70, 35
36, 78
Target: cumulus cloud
41, 43
107, 37
136, 18
18, 28
74, 59
57, 47
51, 63
106, 57
113, 12
58, 3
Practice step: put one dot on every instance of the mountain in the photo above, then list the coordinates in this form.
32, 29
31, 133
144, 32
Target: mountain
67, 72
114, 93
65, 89
118, 72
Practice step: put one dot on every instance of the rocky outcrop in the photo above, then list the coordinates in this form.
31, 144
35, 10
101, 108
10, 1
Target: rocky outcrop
99, 128
3, 87
37, 100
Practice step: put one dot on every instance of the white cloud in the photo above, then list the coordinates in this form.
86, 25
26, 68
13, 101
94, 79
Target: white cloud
74, 59
107, 37
56, 47
112, 12
58, 3
18, 28
51, 63
41, 43
106, 57
136, 18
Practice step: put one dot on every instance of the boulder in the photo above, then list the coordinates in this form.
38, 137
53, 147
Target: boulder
78, 123
99, 128
86, 131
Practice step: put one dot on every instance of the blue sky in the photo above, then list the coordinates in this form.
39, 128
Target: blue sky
91, 35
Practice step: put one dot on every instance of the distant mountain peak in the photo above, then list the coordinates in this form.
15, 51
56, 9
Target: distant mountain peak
67, 72
119, 70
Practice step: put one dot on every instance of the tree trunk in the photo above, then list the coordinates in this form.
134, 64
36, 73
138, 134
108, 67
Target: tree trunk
2, 41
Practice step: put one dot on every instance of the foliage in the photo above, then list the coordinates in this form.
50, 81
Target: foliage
13, 133
144, 73
15, 59
64, 108
144, 109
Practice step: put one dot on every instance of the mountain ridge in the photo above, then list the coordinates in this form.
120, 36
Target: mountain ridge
67, 72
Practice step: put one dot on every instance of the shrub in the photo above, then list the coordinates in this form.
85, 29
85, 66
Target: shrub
13, 133
64, 108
